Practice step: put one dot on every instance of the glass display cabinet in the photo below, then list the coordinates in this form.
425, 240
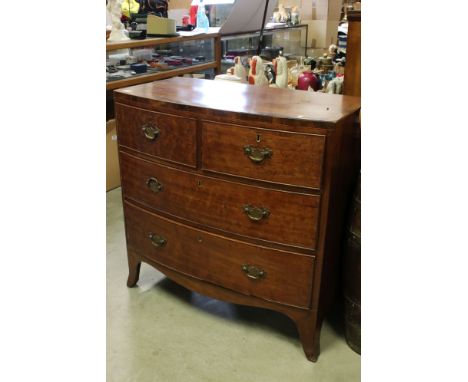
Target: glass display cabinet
134, 62
292, 40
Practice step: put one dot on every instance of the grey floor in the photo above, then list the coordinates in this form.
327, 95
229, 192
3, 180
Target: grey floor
162, 332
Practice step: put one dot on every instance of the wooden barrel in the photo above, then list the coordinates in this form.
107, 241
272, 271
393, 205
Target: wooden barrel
352, 274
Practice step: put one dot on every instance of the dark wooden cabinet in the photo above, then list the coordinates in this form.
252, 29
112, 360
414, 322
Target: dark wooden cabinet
238, 192
352, 255
352, 80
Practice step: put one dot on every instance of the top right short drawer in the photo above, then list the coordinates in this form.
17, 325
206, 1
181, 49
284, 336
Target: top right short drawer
275, 156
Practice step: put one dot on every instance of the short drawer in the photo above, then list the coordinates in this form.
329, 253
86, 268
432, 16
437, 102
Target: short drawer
289, 218
269, 155
163, 136
279, 276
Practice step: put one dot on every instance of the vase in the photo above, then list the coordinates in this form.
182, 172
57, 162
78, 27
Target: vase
307, 79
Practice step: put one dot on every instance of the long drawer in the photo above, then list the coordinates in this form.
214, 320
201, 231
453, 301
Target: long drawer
274, 275
289, 218
163, 136
269, 155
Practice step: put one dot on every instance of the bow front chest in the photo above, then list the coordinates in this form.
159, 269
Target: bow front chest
238, 192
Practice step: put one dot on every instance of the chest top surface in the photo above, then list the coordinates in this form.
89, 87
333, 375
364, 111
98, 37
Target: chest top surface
247, 99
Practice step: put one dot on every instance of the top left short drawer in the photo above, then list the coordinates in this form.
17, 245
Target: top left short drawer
164, 136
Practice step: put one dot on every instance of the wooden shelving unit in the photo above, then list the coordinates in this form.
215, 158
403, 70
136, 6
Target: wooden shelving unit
151, 42
352, 80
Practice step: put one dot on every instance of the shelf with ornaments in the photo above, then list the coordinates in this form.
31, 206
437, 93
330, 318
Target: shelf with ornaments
134, 62
291, 40
320, 74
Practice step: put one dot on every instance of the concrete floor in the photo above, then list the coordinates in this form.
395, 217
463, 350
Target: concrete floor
161, 332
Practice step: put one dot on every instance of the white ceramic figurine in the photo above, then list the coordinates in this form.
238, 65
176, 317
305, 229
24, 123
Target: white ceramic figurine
118, 32
283, 14
281, 70
257, 73
239, 69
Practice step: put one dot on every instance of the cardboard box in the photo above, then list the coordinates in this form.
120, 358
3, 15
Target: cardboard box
160, 26
112, 158
180, 4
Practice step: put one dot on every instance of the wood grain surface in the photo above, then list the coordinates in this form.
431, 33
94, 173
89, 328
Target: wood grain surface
244, 99
205, 180
219, 260
296, 159
176, 142
220, 204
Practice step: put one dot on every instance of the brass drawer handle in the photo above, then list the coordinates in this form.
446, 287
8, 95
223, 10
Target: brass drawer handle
154, 185
256, 213
253, 272
157, 240
151, 132
256, 154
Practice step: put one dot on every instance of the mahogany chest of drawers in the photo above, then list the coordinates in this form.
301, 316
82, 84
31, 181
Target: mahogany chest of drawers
238, 192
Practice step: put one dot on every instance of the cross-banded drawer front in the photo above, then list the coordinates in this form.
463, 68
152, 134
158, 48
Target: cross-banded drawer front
282, 217
245, 268
270, 155
164, 136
